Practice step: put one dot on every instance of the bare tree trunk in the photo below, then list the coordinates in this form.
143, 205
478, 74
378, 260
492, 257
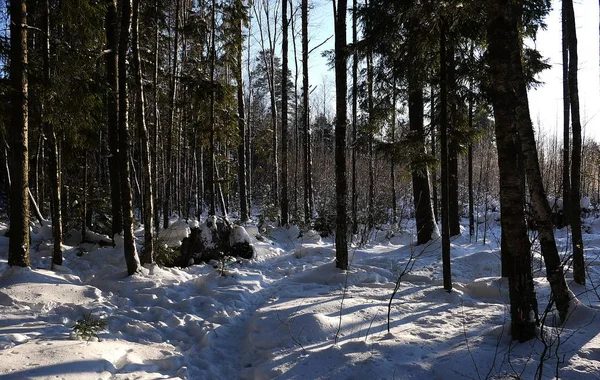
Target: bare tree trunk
434, 187
131, 256
454, 217
112, 44
284, 118
447, 274
53, 170
211, 153
155, 127
18, 251
426, 226
566, 180
354, 117
515, 242
148, 196
470, 160
371, 152
308, 186
509, 83
296, 124
392, 159
578, 259
172, 94
341, 186
241, 130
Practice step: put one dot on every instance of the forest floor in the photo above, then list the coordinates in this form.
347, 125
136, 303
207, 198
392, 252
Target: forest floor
289, 313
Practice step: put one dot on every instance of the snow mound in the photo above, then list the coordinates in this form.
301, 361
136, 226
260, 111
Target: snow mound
80, 360
175, 233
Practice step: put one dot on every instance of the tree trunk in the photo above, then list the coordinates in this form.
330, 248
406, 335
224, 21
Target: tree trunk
131, 256
53, 170
285, 219
447, 274
155, 127
453, 211
241, 130
578, 259
211, 152
171, 122
392, 159
308, 186
515, 242
426, 226
18, 251
112, 45
566, 179
148, 196
434, 187
341, 186
470, 159
371, 136
508, 82
354, 117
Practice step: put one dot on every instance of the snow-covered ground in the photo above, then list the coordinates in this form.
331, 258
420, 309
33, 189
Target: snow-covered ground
286, 314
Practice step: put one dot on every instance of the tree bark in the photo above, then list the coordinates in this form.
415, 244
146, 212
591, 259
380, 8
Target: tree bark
284, 117
171, 122
148, 197
515, 242
447, 274
566, 177
454, 218
241, 128
112, 45
308, 186
434, 187
211, 152
426, 226
155, 127
470, 157
131, 256
341, 186
392, 159
575, 191
354, 204
53, 170
509, 85
18, 250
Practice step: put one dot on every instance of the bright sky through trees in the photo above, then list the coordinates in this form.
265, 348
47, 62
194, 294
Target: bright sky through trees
546, 101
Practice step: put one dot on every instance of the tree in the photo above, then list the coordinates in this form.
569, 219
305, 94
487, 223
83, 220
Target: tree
148, 254
171, 122
341, 88
308, 183
53, 169
284, 117
18, 250
112, 44
242, 184
354, 197
131, 257
575, 190
510, 94
447, 274
566, 179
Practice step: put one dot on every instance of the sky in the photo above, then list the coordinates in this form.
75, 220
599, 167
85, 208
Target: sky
545, 100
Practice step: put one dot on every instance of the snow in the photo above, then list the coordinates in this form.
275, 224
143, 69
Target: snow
288, 313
